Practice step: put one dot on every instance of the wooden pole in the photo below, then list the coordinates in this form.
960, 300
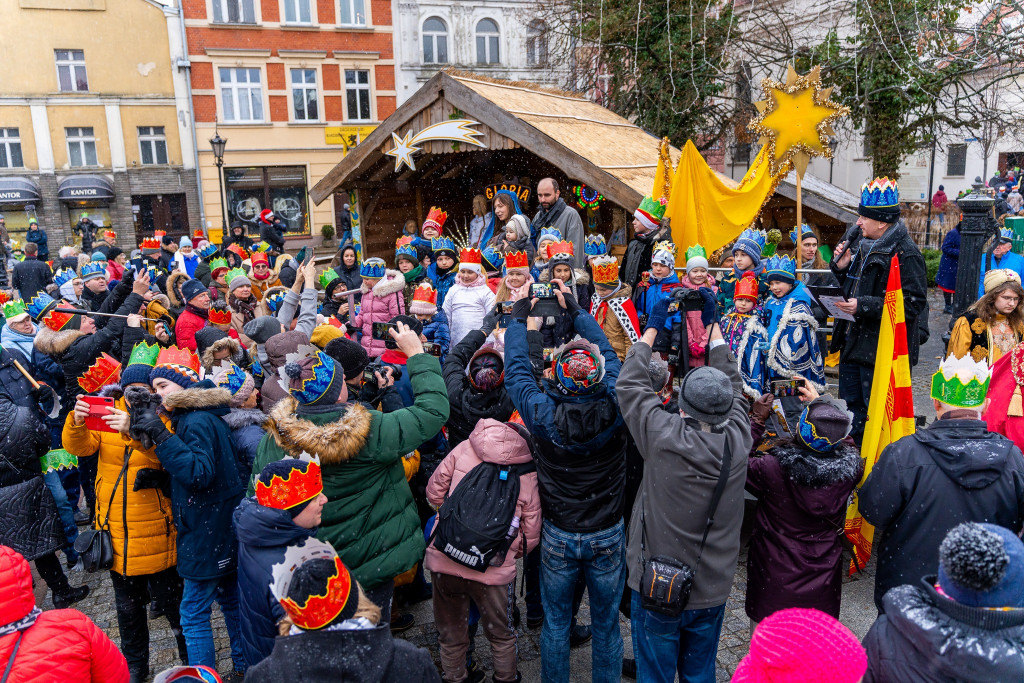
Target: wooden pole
799, 221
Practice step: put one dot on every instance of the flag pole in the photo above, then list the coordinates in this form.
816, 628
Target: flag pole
799, 220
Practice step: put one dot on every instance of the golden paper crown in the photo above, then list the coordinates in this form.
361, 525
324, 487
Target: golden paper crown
104, 371
606, 270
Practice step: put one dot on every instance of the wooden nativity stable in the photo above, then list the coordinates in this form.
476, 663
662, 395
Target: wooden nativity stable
525, 133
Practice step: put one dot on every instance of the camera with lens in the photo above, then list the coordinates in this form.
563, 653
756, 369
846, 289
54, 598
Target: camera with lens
141, 401
684, 299
378, 366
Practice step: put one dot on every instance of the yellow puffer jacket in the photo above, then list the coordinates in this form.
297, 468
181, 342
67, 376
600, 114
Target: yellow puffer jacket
141, 522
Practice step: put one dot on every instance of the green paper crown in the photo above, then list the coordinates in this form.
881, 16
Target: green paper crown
328, 276
653, 207
144, 354
233, 273
219, 262
950, 387
696, 250
771, 243
13, 308
58, 459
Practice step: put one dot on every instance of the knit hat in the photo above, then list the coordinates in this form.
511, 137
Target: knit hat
185, 241
424, 300
193, 673
470, 259
799, 645
751, 242
262, 328
711, 390
193, 288
1000, 276
982, 565
237, 278
313, 585
665, 254
350, 354
140, 364
578, 367
324, 334
696, 257
290, 483
312, 377
98, 256
240, 383
166, 239
486, 369
266, 216
659, 374
114, 252
880, 200
823, 424
207, 337
177, 365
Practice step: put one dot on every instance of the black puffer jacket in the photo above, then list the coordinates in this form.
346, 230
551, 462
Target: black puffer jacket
468, 404
858, 340
924, 637
28, 513
926, 483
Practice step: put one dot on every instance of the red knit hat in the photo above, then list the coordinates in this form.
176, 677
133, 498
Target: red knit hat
802, 646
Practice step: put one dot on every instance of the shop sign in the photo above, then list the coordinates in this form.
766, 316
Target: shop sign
347, 136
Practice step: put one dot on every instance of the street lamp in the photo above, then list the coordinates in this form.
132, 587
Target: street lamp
217, 143
976, 226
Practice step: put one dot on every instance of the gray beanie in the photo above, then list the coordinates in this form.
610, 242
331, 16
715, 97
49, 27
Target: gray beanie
710, 389
262, 328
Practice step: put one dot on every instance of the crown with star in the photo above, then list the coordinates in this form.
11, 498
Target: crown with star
104, 371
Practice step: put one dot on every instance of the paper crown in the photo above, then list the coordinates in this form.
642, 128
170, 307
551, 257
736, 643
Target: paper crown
4, 297
665, 245
109, 235
595, 245
13, 309
259, 257
961, 382
273, 300
492, 260
218, 263
185, 362
198, 234
373, 267
435, 218
328, 276
231, 377
407, 251
696, 251
159, 234
780, 265
41, 304
425, 293
650, 212
560, 249
549, 233
751, 242
208, 251
1005, 235
104, 371
233, 273
318, 610
470, 256
747, 287
443, 244
263, 247
606, 269
323, 371
93, 269
144, 354
404, 239
219, 315
303, 483
150, 244
880, 192
239, 250
517, 259
805, 231
63, 276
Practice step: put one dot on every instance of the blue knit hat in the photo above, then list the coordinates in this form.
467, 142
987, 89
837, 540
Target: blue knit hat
312, 377
751, 242
192, 289
982, 565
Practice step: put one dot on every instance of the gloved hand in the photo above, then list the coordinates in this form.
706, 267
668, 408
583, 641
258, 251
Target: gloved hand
659, 315
762, 408
521, 309
490, 321
152, 478
709, 313
149, 428
696, 350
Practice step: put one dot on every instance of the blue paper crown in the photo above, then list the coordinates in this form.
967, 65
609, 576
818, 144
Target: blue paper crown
804, 231
208, 251
274, 300
408, 251
41, 304
751, 242
780, 265
444, 244
493, 258
806, 432
93, 268
154, 272
373, 267
256, 369
595, 246
880, 192
233, 379
1006, 234
64, 276
324, 370
551, 234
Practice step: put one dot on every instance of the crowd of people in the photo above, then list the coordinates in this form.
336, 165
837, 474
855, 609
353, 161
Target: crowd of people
318, 451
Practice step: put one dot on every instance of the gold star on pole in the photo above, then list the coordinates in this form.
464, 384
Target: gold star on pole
795, 120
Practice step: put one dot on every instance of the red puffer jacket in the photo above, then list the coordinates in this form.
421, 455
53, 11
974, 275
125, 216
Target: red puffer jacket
59, 645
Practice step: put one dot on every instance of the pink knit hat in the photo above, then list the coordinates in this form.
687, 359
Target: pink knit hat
802, 646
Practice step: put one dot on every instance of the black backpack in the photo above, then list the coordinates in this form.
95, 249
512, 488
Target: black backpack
474, 524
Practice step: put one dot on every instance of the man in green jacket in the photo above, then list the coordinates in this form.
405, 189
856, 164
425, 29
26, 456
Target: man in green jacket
370, 516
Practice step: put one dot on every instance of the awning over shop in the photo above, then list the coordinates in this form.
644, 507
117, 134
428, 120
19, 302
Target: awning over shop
85, 187
17, 190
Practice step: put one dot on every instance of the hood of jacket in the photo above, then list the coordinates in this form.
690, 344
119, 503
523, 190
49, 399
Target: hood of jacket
966, 451
174, 282
334, 442
203, 396
279, 346
818, 470
245, 417
55, 343
224, 343
16, 597
499, 443
263, 527
393, 281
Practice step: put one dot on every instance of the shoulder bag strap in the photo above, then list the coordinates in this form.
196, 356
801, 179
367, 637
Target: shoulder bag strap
723, 478
120, 475
14, 653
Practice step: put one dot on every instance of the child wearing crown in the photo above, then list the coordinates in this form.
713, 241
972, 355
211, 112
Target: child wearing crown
746, 257
559, 329
743, 311
658, 283
516, 283
469, 299
382, 299
612, 306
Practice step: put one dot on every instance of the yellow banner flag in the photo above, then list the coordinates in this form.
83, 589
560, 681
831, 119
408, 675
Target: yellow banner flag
705, 210
890, 407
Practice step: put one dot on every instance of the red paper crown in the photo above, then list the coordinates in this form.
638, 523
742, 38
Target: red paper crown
109, 235
259, 257
236, 249
4, 297
159, 234
175, 355
556, 248
219, 316
199, 234
403, 240
606, 269
321, 610
425, 293
57, 321
471, 256
436, 218
298, 488
517, 259
747, 287
104, 371
150, 243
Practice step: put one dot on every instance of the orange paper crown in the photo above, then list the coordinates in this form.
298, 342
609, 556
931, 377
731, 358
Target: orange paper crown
425, 293
104, 371
320, 610
606, 270
109, 235
259, 257
517, 259
176, 355
562, 247
150, 243
57, 321
160, 234
436, 218
299, 487
219, 316
470, 256
747, 287
234, 247
198, 234
4, 297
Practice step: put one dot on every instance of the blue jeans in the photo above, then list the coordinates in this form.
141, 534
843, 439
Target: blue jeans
855, 388
67, 515
601, 557
687, 644
196, 603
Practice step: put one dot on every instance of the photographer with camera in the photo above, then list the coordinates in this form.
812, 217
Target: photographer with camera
681, 565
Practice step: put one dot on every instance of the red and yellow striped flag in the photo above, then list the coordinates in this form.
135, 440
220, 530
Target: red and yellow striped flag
891, 406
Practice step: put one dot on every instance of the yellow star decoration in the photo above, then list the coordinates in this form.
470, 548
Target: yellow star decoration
795, 120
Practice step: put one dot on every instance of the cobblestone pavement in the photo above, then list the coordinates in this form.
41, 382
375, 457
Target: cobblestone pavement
858, 611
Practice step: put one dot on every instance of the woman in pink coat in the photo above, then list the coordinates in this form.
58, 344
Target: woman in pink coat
492, 590
381, 301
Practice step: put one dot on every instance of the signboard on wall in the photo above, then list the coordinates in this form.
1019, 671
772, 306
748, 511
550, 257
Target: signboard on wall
346, 136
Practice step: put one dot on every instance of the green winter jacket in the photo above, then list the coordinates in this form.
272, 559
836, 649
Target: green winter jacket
370, 517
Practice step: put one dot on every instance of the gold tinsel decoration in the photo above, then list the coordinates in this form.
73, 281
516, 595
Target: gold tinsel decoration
666, 160
795, 119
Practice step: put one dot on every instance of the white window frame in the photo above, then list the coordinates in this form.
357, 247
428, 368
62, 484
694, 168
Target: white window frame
253, 93
303, 87
74, 63
537, 43
296, 6
490, 40
10, 138
149, 137
355, 8
245, 7
357, 88
433, 35
84, 141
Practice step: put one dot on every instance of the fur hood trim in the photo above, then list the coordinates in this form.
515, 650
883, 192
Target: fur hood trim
175, 280
335, 442
392, 282
162, 300
220, 345
55, 343
818, 470
240, 417
198, 398
113, 391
